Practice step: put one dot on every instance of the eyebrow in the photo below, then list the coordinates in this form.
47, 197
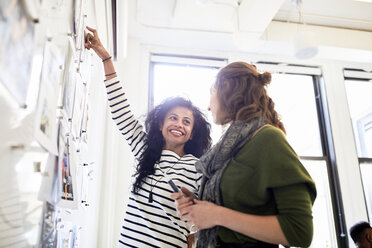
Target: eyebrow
178, 115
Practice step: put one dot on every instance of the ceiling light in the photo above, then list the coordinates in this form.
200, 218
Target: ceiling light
305, 45
204, 1
304, 42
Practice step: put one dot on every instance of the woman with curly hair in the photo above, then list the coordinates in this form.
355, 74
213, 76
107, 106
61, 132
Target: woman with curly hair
177, 134
255, 192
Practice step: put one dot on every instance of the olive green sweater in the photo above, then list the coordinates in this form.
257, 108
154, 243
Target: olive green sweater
267, 178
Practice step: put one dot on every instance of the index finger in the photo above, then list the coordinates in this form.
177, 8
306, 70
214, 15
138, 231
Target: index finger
176, 195
92, 30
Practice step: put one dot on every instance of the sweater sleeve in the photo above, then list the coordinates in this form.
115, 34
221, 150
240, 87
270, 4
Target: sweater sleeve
295, 216
293, 189
123, 117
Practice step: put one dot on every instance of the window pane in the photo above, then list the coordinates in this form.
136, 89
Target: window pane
366, 170
324, 232
294, 99
192, 82
360, 105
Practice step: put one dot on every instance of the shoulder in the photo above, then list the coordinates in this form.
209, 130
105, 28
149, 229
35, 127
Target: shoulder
265, 140
268, 133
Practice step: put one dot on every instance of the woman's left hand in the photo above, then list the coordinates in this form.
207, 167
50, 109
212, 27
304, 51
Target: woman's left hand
200, 215
92, 41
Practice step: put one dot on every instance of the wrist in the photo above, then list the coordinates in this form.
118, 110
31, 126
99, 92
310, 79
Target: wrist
218, 215
104, 54
106, 59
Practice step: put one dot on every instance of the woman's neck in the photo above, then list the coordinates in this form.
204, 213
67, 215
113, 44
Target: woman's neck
177, 149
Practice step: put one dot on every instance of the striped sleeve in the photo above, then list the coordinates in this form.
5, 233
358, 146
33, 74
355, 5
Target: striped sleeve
123, 117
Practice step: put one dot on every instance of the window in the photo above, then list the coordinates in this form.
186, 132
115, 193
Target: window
189, 77
359, 90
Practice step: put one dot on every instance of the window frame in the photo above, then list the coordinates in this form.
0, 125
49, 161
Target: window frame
353, 74
196, 61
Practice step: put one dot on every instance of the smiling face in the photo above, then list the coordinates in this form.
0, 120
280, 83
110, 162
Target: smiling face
177, 129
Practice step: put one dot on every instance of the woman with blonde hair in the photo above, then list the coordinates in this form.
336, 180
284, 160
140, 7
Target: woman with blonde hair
255, 192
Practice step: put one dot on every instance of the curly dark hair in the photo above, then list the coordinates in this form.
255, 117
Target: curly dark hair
242, 94
357, 230
196, 146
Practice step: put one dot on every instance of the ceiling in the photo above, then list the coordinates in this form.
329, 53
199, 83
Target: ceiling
223, 15
348, 14
214, 24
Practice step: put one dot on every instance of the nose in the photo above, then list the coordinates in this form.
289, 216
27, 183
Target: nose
178, 123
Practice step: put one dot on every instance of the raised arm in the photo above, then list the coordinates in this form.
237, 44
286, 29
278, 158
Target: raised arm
93, 41
120, 108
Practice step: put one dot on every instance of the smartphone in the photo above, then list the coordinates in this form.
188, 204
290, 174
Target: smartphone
174, 187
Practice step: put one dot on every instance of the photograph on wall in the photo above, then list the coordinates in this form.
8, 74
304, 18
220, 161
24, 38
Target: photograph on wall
46, 121
67, 161
48, 230
16, 48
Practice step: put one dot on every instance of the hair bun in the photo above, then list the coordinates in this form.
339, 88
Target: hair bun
265, 78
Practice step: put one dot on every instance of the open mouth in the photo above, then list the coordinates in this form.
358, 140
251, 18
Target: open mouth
177, 132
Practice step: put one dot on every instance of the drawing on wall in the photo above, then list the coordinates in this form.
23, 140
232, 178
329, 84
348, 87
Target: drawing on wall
69, 82
49, 184
16, 48
46, 121
85, 65
78, 24
84, 125
48, 233
67, 169
68, 235
84, 185
79, 106
33, 9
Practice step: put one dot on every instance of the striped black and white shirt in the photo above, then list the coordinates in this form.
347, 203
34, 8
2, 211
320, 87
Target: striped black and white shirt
146, 223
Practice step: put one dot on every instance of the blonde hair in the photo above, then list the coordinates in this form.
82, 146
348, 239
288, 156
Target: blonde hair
242, 94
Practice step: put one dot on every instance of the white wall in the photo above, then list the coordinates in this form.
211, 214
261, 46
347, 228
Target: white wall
17, 128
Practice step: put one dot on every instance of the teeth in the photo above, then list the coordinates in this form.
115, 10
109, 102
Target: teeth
177, 132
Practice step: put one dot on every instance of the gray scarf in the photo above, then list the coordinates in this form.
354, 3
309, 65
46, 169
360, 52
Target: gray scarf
213, 164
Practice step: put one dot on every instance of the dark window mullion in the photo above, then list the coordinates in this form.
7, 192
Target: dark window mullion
329, 154
365, 160
313, 158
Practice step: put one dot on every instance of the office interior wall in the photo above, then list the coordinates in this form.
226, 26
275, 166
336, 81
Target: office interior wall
26, 180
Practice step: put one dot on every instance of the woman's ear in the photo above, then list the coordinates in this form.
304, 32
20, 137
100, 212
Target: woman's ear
369, 236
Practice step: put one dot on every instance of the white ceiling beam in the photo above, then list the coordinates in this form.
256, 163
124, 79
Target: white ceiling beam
256, 15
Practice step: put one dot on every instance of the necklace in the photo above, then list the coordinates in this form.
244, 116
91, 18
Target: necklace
164, 174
